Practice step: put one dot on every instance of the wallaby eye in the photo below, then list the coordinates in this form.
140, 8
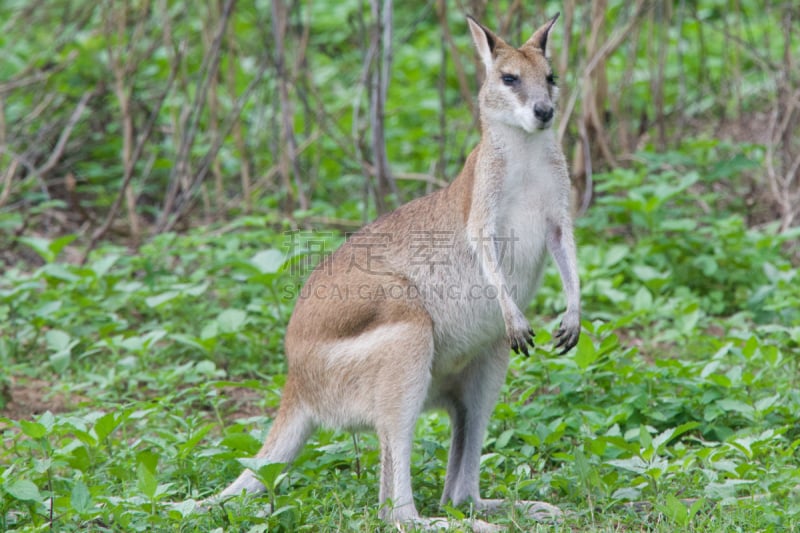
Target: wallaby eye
552, 79
509, 79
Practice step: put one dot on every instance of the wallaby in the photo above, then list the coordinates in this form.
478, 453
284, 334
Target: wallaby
386, 327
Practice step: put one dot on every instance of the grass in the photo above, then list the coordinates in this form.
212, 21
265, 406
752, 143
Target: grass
141, 379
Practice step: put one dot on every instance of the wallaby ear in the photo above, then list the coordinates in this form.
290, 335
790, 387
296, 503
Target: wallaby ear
485, 41
539, 37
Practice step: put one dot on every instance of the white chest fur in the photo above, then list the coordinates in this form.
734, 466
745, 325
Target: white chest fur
530, 196
524, 198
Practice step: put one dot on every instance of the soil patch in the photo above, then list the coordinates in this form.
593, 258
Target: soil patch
30, 397
243, 403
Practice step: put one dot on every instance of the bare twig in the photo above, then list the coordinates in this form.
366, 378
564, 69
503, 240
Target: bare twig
417, 176
280, 22
781, 182
36, 77
441, 86
238, 135
209, 69
461, 75
379, 82
120, 71
134, 157
588, 186
213, 119
183, 201
61, 144
8, 177
606, 50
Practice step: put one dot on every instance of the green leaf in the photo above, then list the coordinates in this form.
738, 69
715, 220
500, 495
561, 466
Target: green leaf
60, 243
60, 361
582, 466
24, 490
146, 481
633, 464
241, 442
34, 430
765, 403
105, 425
750, 347
268, 261
159, 299
57, 340
645, 439
187, 341
198, 289
79, 497
267, 472
47, 420
231, 320
185, 508
648, 273
675, 510
503, 439
585, 353
197, 435
642, 300
726, 489
696, 506
615, 254
628, 493
736, 406
683, 428
60, 272
209, 331
149, 459
103, 265
39, 245
662, 438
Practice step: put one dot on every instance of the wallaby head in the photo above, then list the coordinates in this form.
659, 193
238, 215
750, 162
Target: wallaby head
519, 88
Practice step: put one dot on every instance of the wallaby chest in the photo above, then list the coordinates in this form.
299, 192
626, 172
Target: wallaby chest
526, 195
530, 195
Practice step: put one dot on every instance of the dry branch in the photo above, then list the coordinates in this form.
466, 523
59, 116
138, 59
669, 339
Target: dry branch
135, 156
601, 55
63, 138
455, 54
180, 171
183, 202
291, 164
381, 42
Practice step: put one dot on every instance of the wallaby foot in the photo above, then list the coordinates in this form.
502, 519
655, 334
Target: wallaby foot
539, 511
443, 524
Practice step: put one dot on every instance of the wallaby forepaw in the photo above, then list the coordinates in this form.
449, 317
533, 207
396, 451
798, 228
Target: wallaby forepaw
520, 341
520, 334
568, 333
566, 339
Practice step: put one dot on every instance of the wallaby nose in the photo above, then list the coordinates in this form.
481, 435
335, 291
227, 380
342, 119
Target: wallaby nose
543, 111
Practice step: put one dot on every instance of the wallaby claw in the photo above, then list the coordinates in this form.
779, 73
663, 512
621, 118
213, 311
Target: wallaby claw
520, 344
566, 338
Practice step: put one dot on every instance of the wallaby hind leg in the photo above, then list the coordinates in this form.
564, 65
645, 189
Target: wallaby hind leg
399, 397
473, 400
290, 430
399, 394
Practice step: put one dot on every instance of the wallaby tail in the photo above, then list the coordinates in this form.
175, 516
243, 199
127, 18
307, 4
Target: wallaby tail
290, 430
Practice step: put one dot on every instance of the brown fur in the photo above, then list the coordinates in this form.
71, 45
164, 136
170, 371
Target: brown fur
382, 331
